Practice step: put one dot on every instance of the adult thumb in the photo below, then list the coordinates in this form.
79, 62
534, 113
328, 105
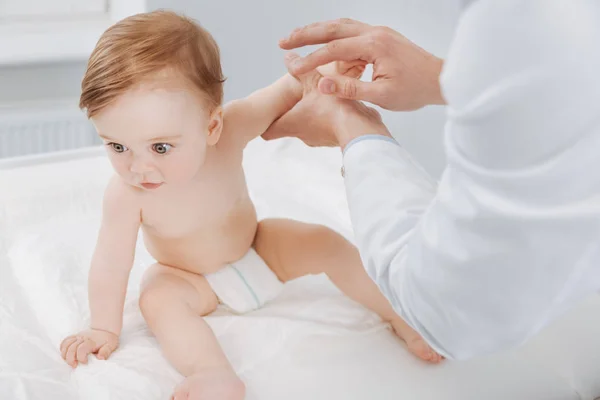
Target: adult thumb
348, 88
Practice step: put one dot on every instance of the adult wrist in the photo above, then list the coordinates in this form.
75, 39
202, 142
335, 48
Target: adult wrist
435, 95
355, 121
347, 135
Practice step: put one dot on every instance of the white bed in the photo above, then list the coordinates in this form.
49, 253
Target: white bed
311, 343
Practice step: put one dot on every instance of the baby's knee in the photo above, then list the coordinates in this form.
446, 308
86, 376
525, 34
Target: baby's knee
156, 295
327, 241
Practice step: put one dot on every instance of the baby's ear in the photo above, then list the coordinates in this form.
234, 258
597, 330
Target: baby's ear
215, 126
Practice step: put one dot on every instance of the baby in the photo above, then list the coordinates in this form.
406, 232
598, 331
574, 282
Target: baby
153, 90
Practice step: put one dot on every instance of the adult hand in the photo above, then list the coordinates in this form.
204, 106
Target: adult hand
320, 120
405, 77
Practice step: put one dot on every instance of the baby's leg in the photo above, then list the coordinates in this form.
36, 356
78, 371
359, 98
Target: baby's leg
173, 303
293, 249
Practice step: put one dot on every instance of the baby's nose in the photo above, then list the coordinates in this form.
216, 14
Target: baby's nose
140, 166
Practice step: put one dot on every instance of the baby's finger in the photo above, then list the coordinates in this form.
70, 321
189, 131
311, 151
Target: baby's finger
72, 352
65, 345
105, 351
84, 349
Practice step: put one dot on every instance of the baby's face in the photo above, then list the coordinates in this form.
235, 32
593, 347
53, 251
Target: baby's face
156, 136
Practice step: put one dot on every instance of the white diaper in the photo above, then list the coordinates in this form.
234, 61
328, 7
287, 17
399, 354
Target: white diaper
246, 284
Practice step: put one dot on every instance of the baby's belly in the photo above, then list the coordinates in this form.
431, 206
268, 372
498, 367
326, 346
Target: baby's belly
208, 248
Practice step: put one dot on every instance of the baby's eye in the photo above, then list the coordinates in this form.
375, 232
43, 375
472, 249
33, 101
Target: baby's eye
119, 148
161, 148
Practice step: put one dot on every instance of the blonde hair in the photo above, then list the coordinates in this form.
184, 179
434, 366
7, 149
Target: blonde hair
143, 45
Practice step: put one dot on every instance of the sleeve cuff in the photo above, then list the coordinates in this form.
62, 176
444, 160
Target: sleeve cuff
369, 137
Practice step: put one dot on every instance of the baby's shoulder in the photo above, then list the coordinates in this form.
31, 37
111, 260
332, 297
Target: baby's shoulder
235, 123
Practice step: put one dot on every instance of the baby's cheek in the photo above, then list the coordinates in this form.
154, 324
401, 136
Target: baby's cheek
184, 168
120, 165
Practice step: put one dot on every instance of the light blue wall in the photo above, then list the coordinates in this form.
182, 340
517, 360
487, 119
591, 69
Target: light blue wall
247, 33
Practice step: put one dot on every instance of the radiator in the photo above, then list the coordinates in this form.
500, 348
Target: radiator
44, 128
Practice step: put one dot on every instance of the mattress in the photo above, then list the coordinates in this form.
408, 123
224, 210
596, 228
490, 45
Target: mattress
310, 343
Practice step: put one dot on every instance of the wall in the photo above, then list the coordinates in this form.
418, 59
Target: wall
247, 32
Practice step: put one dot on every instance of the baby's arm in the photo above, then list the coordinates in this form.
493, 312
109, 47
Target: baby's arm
249, 117
113, 257
109, 273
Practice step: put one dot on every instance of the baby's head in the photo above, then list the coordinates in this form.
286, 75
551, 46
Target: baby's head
153, 89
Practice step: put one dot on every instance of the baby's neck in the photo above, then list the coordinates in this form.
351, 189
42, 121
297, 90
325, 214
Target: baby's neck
211, 163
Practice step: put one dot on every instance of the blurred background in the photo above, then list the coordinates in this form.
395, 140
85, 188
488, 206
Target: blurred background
44, 45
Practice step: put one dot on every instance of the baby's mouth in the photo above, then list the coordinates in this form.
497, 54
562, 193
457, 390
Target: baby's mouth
150, 186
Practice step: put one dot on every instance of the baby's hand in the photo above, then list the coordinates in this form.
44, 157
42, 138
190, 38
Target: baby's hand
76, 348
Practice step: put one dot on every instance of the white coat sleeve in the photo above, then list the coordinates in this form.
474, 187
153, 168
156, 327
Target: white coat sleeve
510, 237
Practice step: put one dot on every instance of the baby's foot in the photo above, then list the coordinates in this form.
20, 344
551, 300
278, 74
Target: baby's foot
213, 384
415, 342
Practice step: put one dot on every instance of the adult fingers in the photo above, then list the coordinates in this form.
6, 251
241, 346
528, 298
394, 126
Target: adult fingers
309, 79
351, 68
351, 88
285, 126
323, 32
352, 49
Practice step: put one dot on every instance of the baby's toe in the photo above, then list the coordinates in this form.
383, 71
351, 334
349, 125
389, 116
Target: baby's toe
422, 350
180, 395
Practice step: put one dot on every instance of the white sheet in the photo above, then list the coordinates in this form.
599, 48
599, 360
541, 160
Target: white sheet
312, 343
